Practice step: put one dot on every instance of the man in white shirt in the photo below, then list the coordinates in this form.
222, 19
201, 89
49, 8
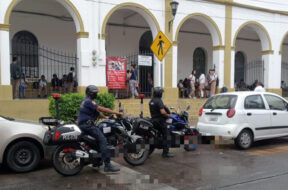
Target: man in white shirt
202, 80
259, 88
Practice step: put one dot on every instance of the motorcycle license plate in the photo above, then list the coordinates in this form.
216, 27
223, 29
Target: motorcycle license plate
107, 130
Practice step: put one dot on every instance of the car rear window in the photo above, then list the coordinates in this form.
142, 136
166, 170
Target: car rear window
221, 102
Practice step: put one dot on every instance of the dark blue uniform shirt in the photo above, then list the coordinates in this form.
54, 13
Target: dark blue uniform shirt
87, 111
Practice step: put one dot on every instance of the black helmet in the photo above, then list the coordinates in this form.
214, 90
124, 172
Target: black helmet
158, 91
92, 91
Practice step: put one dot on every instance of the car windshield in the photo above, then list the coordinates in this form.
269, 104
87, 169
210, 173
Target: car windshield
221, 102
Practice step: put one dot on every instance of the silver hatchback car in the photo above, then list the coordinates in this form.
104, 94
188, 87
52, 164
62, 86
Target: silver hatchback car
21, 147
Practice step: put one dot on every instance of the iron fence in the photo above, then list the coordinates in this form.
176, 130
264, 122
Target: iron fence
254, 70
144, 74
39, 60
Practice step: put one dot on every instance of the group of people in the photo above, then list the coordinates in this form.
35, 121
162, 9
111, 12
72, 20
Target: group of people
198, 85
256, 86
20, 83
64, 85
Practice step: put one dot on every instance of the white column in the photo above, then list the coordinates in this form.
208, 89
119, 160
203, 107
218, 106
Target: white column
5, 57
84, 61
157, 72
218, 63
232, 76
272, 70
175, 66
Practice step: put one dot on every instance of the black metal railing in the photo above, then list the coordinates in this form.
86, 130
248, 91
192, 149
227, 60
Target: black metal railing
36, 61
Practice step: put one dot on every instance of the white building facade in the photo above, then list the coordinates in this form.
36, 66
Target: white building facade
244, 39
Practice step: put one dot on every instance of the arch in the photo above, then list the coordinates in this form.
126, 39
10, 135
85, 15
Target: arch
282, 41
263, 34
67, 4
208, 22
143, 11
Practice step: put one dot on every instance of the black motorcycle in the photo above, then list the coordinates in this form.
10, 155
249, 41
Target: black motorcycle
76, 148
180, 131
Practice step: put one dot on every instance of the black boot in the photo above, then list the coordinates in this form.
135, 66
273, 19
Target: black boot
110, 168
166, 153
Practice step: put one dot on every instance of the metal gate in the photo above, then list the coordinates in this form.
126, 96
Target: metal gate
284, 72
254, 70
36, 61
144, 75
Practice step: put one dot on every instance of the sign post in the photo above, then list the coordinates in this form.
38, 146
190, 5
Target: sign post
160, 47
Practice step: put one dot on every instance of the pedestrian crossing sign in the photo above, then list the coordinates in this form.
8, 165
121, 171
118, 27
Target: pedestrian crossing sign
160, 46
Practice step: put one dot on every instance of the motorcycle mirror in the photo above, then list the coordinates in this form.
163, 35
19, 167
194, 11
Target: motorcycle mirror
188, 108
171, 108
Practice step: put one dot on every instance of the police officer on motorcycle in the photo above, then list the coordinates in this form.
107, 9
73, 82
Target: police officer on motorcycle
89, 111
159, 113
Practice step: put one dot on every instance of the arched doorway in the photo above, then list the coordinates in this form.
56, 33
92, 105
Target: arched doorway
25, 47
194, 31
253, 40
239, 67
129, 33
199, 61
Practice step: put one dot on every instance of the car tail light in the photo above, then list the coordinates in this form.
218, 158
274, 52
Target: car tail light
231, 113
57, 136
200, 112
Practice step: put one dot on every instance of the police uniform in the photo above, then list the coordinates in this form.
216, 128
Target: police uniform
87, 115
159, 120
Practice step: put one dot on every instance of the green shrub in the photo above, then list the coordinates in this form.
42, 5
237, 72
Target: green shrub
70, 103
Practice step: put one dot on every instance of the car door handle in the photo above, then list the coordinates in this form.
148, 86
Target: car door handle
249, 114
274, 113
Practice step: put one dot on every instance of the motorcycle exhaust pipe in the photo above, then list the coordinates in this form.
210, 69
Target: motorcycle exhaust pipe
80, 154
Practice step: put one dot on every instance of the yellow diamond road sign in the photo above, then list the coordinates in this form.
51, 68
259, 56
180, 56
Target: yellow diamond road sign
160, 46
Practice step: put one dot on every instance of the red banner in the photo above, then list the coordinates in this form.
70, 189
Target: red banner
116, 73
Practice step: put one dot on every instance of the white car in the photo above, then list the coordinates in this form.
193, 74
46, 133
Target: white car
21, 146
244, 116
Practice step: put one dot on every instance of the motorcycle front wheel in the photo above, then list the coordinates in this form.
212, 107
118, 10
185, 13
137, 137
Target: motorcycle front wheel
137, 158
64, 162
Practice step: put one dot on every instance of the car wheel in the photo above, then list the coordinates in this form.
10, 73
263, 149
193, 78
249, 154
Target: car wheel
244, 139
23, 156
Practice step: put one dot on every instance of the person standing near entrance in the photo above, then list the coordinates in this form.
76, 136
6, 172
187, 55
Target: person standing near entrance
213, 80
133, 83
202, 80
192, 79
15, 70
71, 79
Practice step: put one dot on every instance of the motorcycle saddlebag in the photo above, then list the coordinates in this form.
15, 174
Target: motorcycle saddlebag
62, 134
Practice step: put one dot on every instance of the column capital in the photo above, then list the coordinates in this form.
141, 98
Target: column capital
216, 48
4, 27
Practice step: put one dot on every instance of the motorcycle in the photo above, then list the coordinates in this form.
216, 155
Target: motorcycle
76, 148
178, 128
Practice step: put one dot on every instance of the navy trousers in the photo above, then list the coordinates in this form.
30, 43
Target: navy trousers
95, 132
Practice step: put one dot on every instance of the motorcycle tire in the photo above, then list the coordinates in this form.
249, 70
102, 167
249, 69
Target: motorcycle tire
135, 159
67, 159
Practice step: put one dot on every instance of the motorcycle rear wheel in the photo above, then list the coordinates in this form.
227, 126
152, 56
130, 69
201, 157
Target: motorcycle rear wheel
136, 159
63, 161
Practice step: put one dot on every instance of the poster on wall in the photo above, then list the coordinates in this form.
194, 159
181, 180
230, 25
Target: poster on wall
116, 73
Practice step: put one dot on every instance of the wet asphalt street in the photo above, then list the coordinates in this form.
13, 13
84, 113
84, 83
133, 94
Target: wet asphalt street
262, 167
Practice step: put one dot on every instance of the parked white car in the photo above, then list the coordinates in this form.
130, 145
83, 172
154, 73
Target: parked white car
244, 116
21, 147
